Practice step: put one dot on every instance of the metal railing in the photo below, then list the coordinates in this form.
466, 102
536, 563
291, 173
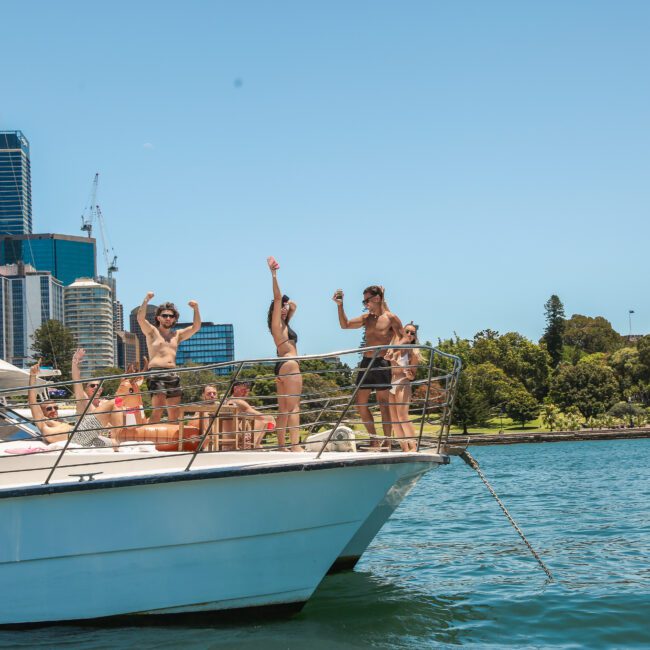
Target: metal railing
382, 407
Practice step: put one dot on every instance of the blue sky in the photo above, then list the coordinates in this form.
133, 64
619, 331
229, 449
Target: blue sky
473, 157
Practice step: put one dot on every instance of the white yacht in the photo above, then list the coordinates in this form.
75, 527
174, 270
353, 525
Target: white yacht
132, 531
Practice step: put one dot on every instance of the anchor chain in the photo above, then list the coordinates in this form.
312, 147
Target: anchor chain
473, 463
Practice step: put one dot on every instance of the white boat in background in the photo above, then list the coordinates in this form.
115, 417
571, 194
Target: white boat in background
143, 534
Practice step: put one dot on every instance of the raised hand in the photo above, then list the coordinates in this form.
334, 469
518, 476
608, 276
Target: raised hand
338, 297
78, 356
36, 368
193, 304
273, 264
149, 296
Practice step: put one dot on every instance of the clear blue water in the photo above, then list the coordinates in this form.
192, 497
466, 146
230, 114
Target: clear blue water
449, 570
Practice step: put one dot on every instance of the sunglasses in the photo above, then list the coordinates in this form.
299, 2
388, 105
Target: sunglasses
93, 385
365, 301
410, 333
167, 315
47, 409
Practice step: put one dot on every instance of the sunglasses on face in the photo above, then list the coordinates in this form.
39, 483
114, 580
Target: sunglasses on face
365, 301
411, 333
93, 385
167, 315
49, 409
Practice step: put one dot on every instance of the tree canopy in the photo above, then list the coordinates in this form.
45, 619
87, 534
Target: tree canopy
54, 344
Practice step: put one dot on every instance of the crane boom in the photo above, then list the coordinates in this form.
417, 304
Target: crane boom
89, 211
111, 265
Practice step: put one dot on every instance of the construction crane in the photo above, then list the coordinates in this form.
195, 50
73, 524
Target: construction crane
92, 212
111, 265
89, 211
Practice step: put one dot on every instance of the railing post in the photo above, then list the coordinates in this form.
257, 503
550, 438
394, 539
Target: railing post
347, 406
449, 404
426, 399
215, 416
317, 420
74, 430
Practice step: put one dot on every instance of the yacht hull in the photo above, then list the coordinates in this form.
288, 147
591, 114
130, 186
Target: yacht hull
210, 540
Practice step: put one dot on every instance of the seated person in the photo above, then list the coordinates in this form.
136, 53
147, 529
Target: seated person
241, 408
102, 413
262, 423
46, 419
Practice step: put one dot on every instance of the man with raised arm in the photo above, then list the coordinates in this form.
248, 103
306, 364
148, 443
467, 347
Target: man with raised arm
381, 326
162, 345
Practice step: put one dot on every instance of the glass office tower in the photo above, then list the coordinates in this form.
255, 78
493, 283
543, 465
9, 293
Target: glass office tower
66, 257
28, 298
211, 344
15, 184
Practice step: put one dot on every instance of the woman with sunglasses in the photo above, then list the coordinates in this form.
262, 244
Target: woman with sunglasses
102, 415
404, 365
287, 373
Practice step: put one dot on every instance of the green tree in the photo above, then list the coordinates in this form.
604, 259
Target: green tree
554, 331
521, 406
519, 358
550, 416
588, 335
54, 344
471, 407
591, 388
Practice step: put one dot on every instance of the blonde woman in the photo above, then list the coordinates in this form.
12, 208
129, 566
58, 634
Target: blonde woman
287, 373
404, 365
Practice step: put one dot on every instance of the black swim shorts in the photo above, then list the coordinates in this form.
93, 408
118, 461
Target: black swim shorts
165, 382
379, 375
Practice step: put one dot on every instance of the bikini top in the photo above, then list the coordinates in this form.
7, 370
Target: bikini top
291, 336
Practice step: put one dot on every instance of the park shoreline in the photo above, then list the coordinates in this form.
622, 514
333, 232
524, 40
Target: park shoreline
522, 437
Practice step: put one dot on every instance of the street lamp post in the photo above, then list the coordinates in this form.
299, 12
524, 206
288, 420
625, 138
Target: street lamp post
629, 315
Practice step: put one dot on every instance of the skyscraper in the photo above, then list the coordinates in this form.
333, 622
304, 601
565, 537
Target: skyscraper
66, 257
15, 184
127, 349
213, 343
29, 298
135, 327
89, 316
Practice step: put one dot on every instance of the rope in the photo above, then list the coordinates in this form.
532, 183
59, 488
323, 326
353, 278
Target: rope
473, 463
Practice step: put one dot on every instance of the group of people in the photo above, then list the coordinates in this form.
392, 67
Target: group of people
388, 372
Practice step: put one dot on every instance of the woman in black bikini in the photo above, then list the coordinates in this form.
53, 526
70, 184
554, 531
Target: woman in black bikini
287, 373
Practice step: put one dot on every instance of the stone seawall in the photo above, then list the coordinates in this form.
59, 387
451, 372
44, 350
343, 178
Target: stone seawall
519, 437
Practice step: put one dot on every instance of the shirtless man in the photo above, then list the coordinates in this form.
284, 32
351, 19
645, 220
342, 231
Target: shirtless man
46, 413
262, 423
381, 327
162, 344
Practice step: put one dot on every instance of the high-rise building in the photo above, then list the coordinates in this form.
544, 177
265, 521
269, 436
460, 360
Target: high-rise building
88, 314
127, 349
134, 326
29, 298
213, 343
66, 257
15, 184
